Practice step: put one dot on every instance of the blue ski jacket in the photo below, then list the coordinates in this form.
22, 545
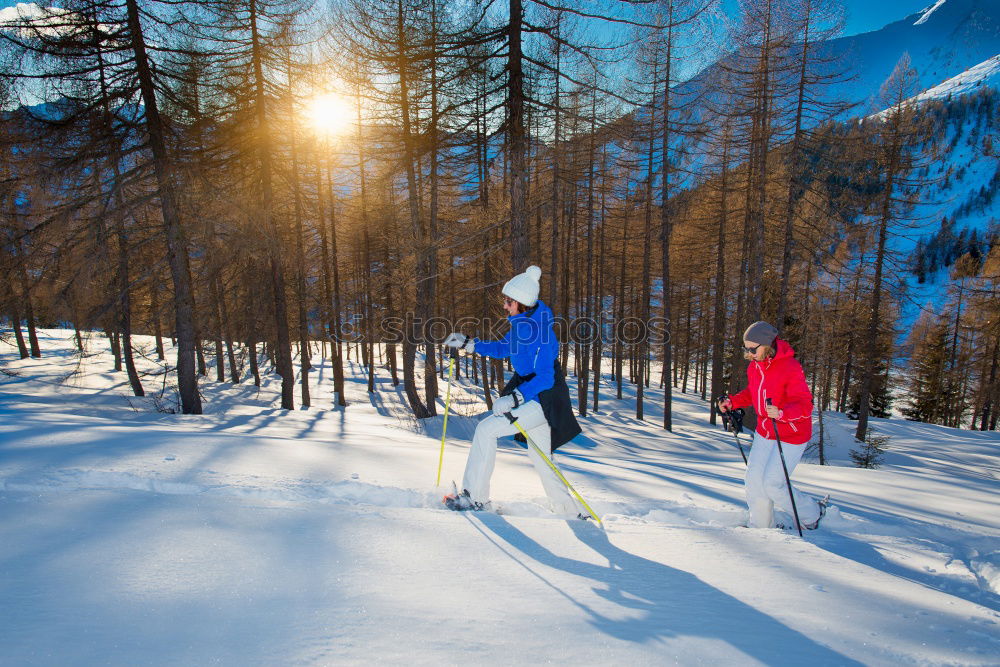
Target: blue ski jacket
532, 346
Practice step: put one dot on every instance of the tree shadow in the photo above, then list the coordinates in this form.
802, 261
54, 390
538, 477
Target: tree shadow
655, 602
859, 551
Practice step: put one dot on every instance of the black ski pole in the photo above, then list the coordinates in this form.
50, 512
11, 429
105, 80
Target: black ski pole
791, 496
737, 429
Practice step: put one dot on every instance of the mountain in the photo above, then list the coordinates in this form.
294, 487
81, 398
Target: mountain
944, 40
954, 47
985, 74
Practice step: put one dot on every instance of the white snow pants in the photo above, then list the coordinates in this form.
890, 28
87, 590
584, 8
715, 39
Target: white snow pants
765, 484
482, 457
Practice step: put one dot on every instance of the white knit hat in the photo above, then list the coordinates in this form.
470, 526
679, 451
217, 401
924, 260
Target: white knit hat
523, 287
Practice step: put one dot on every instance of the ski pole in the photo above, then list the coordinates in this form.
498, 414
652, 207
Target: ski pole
742, 453
447, 404
562, 478
734, 424
791, 496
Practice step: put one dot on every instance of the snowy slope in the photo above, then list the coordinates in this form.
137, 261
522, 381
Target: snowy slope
986, 73
253, 536
926, 13
942, 41
957, 202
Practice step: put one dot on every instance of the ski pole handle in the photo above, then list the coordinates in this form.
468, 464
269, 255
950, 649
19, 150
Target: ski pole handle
732, 421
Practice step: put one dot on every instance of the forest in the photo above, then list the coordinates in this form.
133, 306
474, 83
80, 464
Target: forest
264, 181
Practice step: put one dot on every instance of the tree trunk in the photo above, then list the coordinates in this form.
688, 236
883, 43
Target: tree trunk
220, 365
15, 319
599, 288
871, 338
227, 334
570, 220
647, 245
199, 351
719, 314
177, 254
990, 385
282, 347
305, 364
620, 306
666, 224
414, 331
116, 349
125, 316
795, 188
29, 309
554, 205
583, 381
155, 307
518, 140
369, 296
335, 320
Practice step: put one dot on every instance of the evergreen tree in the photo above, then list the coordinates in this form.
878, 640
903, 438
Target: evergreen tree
870, 453
928, 370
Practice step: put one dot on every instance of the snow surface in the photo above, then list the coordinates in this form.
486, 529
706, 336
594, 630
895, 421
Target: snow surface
926, 14
986, 73
249, 535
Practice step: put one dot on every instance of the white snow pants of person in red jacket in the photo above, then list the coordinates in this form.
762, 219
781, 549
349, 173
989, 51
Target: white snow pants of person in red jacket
483, 456
765, 484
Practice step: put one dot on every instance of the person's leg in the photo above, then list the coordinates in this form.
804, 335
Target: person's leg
483, 456
777, 488
531, 417
758, 502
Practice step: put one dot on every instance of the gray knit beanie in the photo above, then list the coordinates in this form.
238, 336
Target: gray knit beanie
761, 333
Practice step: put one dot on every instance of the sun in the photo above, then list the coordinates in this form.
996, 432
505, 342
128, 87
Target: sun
329, 114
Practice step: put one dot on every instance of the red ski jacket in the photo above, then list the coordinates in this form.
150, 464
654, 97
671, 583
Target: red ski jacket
781, 379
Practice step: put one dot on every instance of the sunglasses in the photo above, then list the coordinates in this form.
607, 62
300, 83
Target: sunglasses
751, 350
508, 301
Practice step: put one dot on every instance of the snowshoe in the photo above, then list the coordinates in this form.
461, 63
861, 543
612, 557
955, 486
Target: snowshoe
461, 502
823, 504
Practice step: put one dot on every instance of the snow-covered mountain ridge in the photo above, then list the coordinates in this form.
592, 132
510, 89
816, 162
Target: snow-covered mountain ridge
943, 41
986, 73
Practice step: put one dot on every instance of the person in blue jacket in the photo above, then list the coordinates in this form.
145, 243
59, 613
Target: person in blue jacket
536, 396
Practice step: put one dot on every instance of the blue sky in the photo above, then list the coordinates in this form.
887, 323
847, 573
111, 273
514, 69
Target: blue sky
862, 15
868, 15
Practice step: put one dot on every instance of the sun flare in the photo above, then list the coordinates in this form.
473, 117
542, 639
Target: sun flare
329, 114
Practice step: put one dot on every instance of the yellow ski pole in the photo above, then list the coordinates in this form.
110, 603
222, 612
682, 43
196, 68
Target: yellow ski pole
447, 404
562, 478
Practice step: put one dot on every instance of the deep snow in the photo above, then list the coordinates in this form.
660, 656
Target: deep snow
248, 535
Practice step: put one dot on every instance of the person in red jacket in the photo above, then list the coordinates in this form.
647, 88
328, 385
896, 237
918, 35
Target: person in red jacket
774, 373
